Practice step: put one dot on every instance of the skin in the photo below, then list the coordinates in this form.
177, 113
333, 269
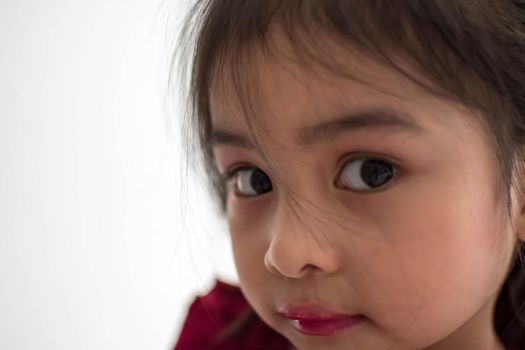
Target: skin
422, 257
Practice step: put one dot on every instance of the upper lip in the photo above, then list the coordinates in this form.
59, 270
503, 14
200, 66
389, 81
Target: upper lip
312, 311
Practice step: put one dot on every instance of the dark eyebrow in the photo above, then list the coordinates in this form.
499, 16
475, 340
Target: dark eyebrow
223, 137
366, 119
329, 130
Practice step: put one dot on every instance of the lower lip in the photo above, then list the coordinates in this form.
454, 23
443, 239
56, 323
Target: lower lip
325, 327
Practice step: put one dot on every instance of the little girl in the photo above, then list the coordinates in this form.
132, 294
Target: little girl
368, 157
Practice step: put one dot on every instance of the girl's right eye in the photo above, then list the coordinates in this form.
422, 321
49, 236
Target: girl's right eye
250, 181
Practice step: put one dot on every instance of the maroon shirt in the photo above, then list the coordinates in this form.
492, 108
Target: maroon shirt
224, 304
210, 314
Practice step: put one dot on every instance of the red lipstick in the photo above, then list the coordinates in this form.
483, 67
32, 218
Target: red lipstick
314, 319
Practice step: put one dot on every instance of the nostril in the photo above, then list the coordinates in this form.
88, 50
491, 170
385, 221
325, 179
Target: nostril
309, 267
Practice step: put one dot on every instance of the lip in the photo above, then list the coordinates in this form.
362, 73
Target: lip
318, 320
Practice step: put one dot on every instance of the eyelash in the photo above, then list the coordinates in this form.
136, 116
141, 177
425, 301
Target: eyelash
346, 160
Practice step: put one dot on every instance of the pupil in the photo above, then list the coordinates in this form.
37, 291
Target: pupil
376, 172
260, 182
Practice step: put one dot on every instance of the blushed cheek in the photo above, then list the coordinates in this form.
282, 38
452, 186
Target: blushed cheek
448, 239
459, 241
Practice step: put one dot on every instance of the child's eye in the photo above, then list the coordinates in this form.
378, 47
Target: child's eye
250, 182
366, 174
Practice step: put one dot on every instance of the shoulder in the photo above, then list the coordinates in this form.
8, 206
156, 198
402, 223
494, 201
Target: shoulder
212, 313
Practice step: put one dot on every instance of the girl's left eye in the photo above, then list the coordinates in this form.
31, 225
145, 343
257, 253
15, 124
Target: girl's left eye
366, 174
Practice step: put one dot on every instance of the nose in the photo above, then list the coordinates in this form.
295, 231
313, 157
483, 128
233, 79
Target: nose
298, 247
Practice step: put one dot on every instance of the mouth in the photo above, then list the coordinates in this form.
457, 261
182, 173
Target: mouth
317, 320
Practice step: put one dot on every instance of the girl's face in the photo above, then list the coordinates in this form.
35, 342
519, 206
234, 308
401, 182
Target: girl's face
367, 199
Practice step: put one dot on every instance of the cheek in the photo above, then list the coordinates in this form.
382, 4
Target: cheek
249, 245
438, 253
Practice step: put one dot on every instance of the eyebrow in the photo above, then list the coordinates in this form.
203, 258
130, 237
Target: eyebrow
370, 119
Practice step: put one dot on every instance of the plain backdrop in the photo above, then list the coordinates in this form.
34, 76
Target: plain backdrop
104, 239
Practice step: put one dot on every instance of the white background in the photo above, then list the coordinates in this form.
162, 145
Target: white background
100, 246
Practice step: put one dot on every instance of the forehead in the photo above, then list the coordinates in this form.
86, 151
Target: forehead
284, 94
